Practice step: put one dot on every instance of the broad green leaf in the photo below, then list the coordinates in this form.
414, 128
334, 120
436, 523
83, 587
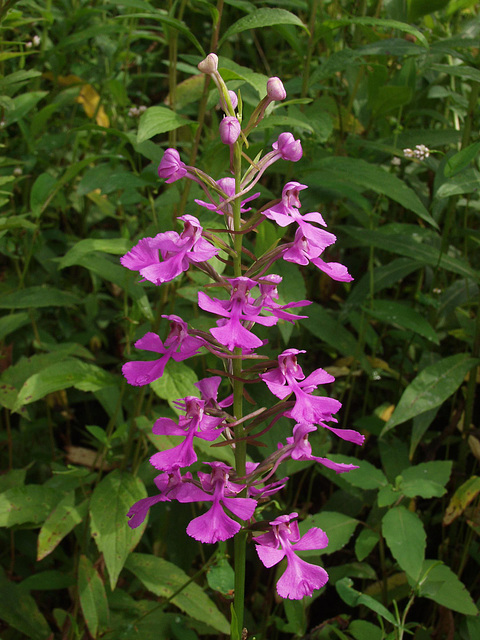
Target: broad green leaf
285, 121
382, 24
64, 517
28, 504
221, 577
35, 297
19, 610
427, 479
420, 426
177, 382
338, 527
370, 177
69, 372
458, 71
419, 8
365, 542
23, 104
390, 98
324, 326
354, 598
115, 246
466, 182
363, 630
109, 504
12, 478
41, 189
230, 70
12, 322
412, 242
461, 159
443, 587
399, 314
462, 497
262, 18
365, 477
406, 538
433, 385
164, 579
383, 276
93, 598
157, 120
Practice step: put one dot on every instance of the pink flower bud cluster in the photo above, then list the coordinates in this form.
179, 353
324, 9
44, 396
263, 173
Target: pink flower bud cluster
247, 301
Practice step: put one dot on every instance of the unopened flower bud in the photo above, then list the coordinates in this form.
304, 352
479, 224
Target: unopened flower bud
17, 171
229, 130
171, 168
28, 45
288, 147
233, 98
275, 89
209, 65
36, 40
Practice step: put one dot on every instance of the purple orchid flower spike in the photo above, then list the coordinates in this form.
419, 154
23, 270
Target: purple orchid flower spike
299, 448
215, 524
178, 251
208, 388
302, 251
169, 485
179, 346
227, 185
230, 331
300, 578
195, 423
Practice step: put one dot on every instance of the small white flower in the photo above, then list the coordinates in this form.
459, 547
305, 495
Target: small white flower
2, 124
408, 153
36, 40
142, 108
17, 171
28, 45
421, 151
395, 161
133, 112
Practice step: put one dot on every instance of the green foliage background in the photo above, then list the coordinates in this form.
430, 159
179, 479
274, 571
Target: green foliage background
78, 186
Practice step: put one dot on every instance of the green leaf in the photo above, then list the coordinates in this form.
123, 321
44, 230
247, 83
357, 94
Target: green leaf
406, 538
460, 500
399, 314
338, 527
221, 577
443, 587
467, 182
93, 598
157, 120
390, 98
63, 519
109, 504
461, 159
458, 71
23, 104
115, 246
366, 476
28, 504
12, 478
363, 630
36, 297
370, 177
285, 121
383, 276
382, 24
262, 18
12, 322
427, 479
41, 190
177, 382
324, 326
433, 385
354, 598
20, 611
164, 579
419, 8
365, 542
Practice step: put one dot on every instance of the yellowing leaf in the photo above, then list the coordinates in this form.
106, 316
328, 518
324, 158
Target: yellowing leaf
63, 81
462, 497
90, 99
386, 413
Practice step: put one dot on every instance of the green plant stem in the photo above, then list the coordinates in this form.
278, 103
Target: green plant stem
311, 45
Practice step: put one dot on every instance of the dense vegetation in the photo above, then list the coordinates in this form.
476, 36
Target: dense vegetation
91, 95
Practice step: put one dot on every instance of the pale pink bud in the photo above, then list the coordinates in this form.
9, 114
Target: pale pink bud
229, 130
275, 89
288, 147
209, 65
233, 99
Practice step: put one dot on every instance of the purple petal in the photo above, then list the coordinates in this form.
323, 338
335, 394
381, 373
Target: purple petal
243, 508
183, 455
315, 538
233, 334
213, 526
300, 579
139, 372
335, 270
269, 556
138, 512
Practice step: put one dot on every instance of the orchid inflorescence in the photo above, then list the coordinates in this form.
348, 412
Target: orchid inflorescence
252, 298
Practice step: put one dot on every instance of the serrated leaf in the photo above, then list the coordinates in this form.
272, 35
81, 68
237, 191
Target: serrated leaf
366, 476
443, 587
427, 479
262, 18
63, 519
109, 504
399, 314
433, 385
28, 504
163, 578
93, 599
406, 538
20, 610
338, 527
157, 120
460, 500
35, 297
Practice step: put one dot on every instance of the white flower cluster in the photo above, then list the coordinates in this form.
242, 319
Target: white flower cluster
134, 112
420, 152
34, 42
